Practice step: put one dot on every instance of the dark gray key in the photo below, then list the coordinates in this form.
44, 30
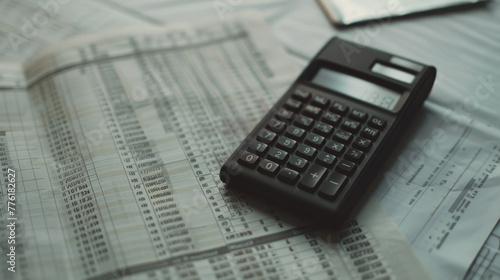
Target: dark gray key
304, 122
346, 167
266, 136
298, 163
312, 111
370, 133
311, 179
358, 115
323, 129
320, 101
284, 114
306, 152
277, 155
334, 147
333, 185
286, 143
276, 126
259, 148
350, 125
362, 144
268, 167
288, 176
293, 105
315, 140
295, 132
343, 136
301, 94
248, 159
331, 118
377, 123
325, 159
339, 108
354, 155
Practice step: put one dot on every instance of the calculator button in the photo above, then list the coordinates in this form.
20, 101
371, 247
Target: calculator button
346, 167
323, 129
331, 118
298, 163
320, 101
339, 108
315, 140
295, 132
312, 111
288, 176
325, 159
311, 179
304, 122
284, 114
370, 133
354, 155
350, 125
333, 185
268, 167
293, 105
358, 115
306, 152
276, 126
301, 94
343, 136
277, 155
248, 159
266, 136
335, 148
377, 123
259, 148
286, 143
362, 144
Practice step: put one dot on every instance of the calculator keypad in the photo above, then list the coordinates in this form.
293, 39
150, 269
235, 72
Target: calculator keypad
314, 143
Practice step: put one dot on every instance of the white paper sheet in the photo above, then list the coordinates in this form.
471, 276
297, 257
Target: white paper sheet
348, 12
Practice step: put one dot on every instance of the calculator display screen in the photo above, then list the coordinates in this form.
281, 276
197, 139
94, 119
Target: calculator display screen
357, 88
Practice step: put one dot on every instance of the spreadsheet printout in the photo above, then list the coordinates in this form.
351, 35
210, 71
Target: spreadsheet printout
117, 143
442, 189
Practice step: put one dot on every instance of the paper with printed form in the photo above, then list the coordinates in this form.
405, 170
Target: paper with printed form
442, 189
117, 143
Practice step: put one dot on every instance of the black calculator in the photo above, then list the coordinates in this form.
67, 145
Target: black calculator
321, 145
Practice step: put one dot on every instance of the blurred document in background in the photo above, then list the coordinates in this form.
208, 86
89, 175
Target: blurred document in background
345, 12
